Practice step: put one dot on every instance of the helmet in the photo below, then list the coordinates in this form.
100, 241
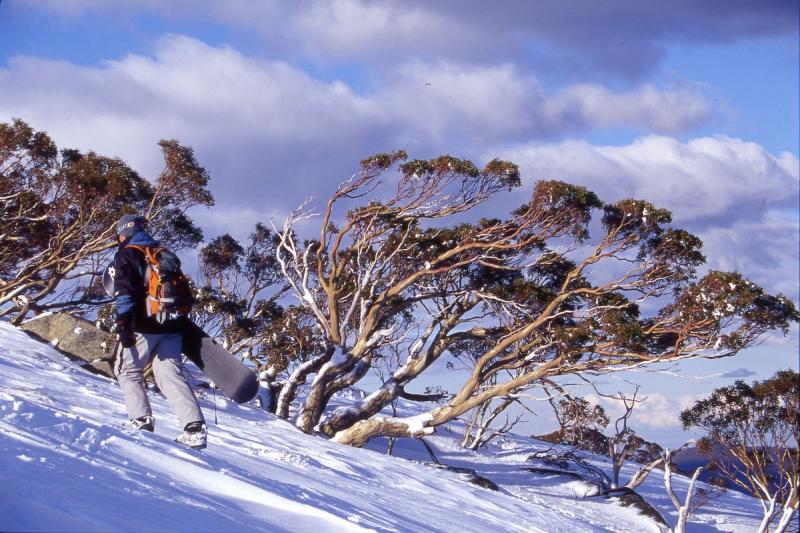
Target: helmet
130, 224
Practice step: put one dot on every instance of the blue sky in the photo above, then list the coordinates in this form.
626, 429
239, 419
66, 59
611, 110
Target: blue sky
693, 106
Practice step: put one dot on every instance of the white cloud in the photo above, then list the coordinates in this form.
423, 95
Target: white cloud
737, 197
247, 115
353, 28
198, 82
236, 111
765, 248
479, 103
676, 109
271, 134
657, 411
490, 103
702, 178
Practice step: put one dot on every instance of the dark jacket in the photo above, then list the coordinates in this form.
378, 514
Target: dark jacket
129, 289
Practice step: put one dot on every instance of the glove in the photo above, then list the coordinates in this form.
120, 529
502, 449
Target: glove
127, 338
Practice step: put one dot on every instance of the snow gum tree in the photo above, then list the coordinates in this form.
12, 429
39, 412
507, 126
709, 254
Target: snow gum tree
684, 508
752, 435
238, 291
362, 281
58, 211
575, 415
481, 427
624, 441
529, 296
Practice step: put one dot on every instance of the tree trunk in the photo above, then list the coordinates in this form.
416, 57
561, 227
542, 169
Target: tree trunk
786, 518
362, 432
683, 515
484, 422
682, 508
321, 389
347, 379
641, 474
477, 440
616, 466
344, 417
769, 514
297, 378
466, 399
474, 425
312, 409
21, 314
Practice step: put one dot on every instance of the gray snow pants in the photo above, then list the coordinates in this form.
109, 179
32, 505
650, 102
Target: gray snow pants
164, 350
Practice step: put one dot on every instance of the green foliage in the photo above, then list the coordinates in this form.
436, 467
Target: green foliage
441, 165
575, 415
288, 338
237, 301
223, 254
506, 172
752, 436
183, 179
176, 230
381, 162
735, 414
58, 212
260, 264
621, 325
732, 307
570, 205
635, 219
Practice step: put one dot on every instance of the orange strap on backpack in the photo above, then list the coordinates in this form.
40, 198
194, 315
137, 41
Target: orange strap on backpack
152, 282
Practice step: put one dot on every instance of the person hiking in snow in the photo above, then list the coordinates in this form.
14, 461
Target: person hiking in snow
145, 339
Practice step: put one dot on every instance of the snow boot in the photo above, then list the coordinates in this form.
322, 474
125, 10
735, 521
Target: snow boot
194, 435
144, 423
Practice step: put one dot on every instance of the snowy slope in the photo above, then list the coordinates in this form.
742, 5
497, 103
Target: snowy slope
67, 463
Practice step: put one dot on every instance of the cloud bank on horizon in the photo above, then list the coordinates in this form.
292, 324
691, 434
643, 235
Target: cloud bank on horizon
281, 100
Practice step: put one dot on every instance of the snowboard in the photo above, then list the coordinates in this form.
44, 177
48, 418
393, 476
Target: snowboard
232, 376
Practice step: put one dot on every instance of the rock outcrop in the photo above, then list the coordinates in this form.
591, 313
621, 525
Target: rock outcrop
630, 498
76, 338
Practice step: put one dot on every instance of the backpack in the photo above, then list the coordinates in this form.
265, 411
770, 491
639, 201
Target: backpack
167, 288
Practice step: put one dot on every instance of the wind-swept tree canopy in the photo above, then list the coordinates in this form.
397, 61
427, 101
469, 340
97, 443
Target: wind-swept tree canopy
58, 211
529, 296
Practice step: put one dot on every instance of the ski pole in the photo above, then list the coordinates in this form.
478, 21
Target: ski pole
214, 394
